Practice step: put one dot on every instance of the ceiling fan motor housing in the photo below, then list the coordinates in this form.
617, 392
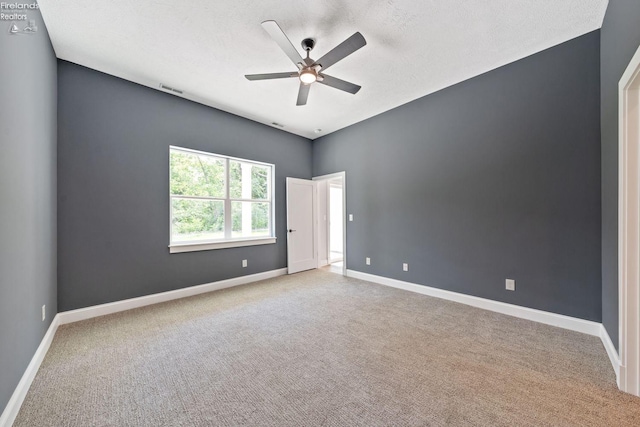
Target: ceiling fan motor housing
308, 44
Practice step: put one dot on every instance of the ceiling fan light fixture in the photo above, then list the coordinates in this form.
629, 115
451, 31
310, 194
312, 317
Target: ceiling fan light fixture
308, 70
308, 76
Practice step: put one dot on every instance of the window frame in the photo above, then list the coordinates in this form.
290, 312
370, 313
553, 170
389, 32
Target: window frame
227, 241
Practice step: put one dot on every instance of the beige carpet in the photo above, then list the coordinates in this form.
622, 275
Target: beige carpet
319, 349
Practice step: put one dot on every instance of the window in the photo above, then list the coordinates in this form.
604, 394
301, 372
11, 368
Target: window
218, 201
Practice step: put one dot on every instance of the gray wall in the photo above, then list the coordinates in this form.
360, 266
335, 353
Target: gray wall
620, 38
27, 198
496, 177
113, 187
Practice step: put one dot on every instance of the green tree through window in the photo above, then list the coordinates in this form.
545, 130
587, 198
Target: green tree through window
208, 206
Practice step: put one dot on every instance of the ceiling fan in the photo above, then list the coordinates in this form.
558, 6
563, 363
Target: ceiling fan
310, 71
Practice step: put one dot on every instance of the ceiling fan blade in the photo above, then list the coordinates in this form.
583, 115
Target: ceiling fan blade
339, 84
282, 40
303, 94
270, 76
341, 51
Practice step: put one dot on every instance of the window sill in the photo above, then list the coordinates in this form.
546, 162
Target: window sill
192, 247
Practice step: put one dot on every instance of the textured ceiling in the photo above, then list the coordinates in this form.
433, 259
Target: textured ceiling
413, 48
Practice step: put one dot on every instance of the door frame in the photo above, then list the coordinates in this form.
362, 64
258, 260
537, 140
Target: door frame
343, 176
330, 183
629, 227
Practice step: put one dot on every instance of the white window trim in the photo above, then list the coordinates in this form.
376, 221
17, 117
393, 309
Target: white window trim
227, 243
177, 248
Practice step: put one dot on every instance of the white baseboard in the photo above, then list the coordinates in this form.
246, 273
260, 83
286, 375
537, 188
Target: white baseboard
611, 352
15, 402
323, 262
128, 304
13, 407
553, 319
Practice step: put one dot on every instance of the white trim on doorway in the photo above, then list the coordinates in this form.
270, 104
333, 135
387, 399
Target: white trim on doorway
629, 227
335, 254
340, 175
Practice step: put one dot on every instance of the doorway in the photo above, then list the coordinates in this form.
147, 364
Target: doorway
336, 213
332, 245
629, 227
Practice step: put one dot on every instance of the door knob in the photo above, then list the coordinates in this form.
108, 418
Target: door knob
291, 231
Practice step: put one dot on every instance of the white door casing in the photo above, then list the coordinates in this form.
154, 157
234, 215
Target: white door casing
343, 177
629, 227
336, 220
301, 225
323, 223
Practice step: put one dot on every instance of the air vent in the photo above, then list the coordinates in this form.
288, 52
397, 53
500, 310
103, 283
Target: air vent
280, 125
170, 89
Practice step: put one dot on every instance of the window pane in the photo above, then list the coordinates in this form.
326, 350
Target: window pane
195, 219
260, 177
249, 181
235, 179
196, 175
250, 219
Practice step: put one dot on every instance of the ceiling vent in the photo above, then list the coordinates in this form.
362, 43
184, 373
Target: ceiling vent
170, 89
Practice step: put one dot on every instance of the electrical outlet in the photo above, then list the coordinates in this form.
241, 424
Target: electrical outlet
244, 263
510, 285
367, 261
350, 217
405, 266
44, 312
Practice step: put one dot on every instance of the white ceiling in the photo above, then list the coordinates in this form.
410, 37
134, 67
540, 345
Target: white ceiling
413, 48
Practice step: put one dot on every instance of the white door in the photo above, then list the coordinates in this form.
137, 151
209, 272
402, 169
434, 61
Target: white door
301, 230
